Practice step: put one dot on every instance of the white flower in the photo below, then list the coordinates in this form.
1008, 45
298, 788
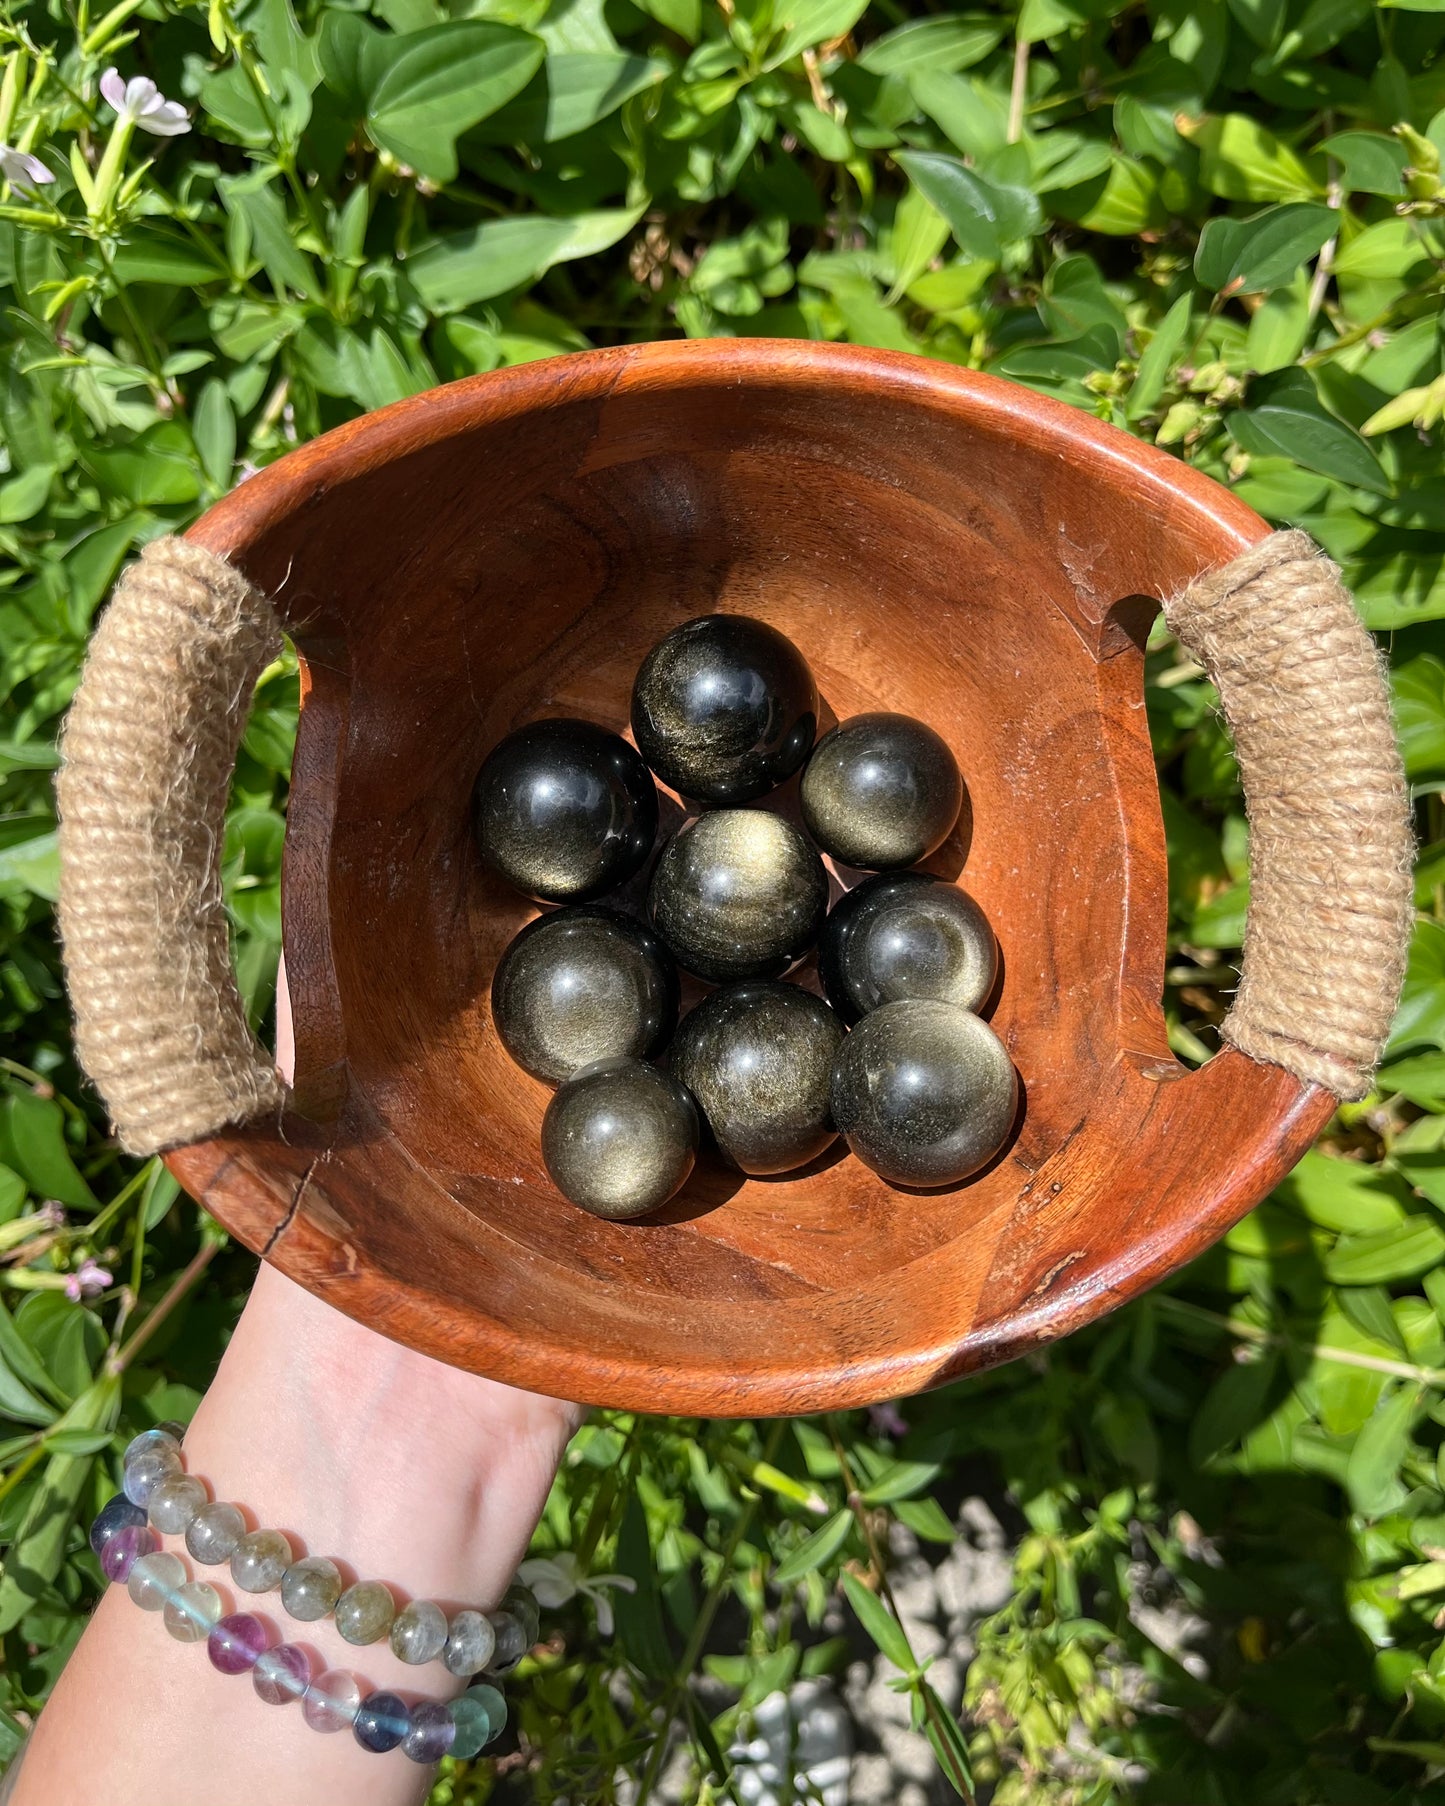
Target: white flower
21, 170
140, 102
555, 1580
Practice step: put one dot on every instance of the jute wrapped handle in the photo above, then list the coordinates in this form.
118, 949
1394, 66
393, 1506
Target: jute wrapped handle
151, 742
147, 755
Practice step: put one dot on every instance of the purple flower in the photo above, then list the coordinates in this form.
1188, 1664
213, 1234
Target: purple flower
87, 1282
887, 1420
23, 171
140, 102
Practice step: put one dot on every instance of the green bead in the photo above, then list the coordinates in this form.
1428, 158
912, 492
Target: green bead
419, 1632
474, 1727
310, 1588
259, 1561
489, 1697
364, 1612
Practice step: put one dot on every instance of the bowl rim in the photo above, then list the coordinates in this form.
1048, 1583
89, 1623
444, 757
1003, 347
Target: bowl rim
456, 408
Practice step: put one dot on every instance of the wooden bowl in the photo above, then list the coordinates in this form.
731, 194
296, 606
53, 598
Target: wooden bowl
936, 542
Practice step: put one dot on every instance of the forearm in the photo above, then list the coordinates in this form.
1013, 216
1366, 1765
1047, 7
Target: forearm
400, 1469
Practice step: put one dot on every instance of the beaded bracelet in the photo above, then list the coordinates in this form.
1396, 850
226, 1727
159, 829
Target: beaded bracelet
472, 1642
238, 1642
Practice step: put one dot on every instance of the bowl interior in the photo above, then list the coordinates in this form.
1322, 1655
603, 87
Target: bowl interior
930, 552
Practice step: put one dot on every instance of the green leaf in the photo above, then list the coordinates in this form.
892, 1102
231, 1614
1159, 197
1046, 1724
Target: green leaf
574, 89
900, 1480
1368, 1308
1371, 1474
1262, 19
1344, 1195
68, 1338
21, 1359
1421, 1013
32, 1142
926, 1518
1388, 1254
1389, 249
1370, 163
1123, 202
24, 496
1285, 417
435, 84
639, 1614
156, 469
804, 23
214, 430
947, 42
1421, 1079
466, 267
983, 216
1240, 160
1158, 359
34, 1557
1419, 690
152, 254
884, 1629
949, 1741
18, 1402
1278, 329
1244, 256
1236, 1401
256, 200
821, 1546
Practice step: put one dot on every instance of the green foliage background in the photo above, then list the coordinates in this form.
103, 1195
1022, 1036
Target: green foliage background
1219, 226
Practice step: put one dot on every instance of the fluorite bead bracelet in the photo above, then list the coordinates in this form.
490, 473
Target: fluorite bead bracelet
159, 1496
163, 1497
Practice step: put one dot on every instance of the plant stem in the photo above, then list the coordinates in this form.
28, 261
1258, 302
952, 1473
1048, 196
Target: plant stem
182, 1284
927, 1697
1018, 90
1265, 1338
702, 1624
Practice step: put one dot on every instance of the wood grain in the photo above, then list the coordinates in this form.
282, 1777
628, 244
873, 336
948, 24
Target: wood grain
936, 542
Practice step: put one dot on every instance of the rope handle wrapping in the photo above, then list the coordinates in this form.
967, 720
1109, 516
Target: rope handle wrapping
1303, 689
151, 740
147, 754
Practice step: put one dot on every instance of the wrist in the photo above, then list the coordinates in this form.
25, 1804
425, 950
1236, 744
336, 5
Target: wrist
398, 1468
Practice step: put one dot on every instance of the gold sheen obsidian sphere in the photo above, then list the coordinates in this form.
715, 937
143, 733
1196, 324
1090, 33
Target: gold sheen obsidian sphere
738, 893
902, 935
619, 1138
565, 810
881, 791
724, 708
758, 1059
925, 1093
580, 985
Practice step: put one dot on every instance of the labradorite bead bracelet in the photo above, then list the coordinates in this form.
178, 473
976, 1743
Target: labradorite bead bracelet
158, 1496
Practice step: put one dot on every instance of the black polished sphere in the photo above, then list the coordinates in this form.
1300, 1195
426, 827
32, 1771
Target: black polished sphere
565, 810
581, 985
881, 792
619, 1138
724, 708
925, 1093
901, 935
738, 893
758, 1058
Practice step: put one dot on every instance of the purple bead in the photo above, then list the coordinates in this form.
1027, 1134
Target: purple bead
236, 1642
121, 1551
119, 1514
381, 1722
432, 1733
281, 1674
